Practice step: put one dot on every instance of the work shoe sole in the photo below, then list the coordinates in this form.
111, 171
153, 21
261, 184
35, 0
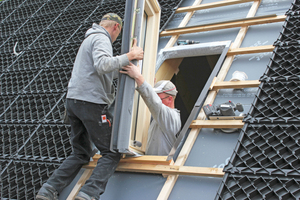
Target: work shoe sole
47, 192
83, 196
40, 197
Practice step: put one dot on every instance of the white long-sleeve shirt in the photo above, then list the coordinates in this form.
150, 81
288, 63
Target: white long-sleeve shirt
165, 125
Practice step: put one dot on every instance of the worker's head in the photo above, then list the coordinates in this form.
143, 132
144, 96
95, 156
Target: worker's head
113, 24
167, 92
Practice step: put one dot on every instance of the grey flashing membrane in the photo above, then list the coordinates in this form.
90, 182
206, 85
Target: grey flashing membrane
202, 49
120, 137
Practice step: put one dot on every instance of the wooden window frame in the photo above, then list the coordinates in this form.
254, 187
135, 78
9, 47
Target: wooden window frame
142, 115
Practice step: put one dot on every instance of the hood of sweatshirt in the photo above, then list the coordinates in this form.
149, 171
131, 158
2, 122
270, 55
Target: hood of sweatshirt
96, 28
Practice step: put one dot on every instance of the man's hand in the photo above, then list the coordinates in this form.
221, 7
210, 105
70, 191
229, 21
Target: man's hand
136, 53
134, 72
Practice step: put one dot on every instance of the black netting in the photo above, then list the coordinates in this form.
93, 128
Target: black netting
8, 28
18, 43
39, 41
267, 150
13, 83
22, 180
265, 163
34, 59
50, 80
23, 12
111, 6
72, 17
5, 102
10, 5
79, 35
83, 4
277, 102
5, 13
290, 32
49, 143
37, 24
258, 187
13, 137
66, 56
30, 109
54, 37
6, 59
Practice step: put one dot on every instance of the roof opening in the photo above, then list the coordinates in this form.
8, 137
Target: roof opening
190, 80
192, 69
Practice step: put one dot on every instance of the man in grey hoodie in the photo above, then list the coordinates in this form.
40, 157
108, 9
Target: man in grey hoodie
90, 92
166, 122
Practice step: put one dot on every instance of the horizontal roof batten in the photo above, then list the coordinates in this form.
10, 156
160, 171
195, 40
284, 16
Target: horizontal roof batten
224, 25
250, 50
217, 124
210, 5
165, 169
145, 159
235, 84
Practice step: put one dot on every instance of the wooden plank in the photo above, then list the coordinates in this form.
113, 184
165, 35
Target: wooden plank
166, 169
167, 188
86, 174
158, 160
143, 115
217, 124
235, 84
254, 8
168, 69
249, 50
213, 83
210, 5
223, 25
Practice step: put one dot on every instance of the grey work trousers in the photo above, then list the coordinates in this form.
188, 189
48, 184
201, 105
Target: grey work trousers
87, 126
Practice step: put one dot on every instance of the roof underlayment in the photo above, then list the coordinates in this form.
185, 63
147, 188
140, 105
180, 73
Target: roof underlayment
38, 44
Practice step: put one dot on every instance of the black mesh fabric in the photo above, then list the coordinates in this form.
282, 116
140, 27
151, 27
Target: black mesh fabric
265, 163
38, 44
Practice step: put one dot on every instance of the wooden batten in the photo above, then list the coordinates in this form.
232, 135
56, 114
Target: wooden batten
224, 25
210, 5
165, 169
154, 164
250, 50
157, 160
168, 69
86, 174
217, 124
234, 84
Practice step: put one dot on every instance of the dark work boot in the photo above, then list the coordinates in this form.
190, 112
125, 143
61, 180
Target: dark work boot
47, 192
83, 196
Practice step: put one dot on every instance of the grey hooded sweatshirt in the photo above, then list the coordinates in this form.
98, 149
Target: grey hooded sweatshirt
95, 68
165, 125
